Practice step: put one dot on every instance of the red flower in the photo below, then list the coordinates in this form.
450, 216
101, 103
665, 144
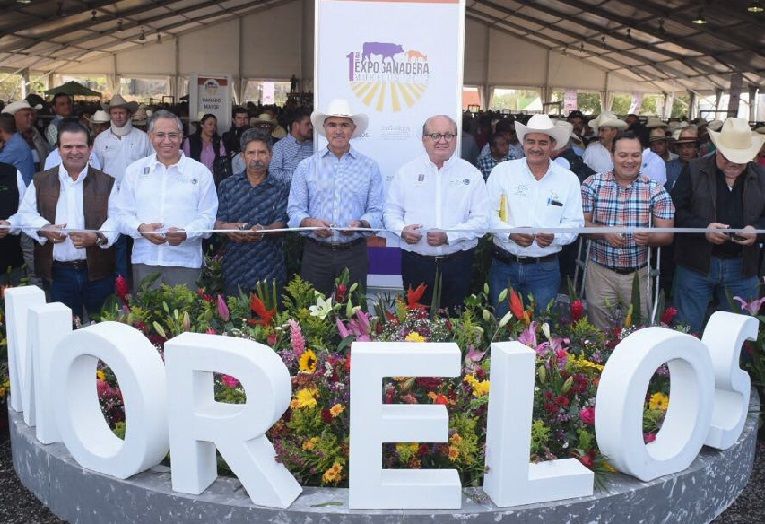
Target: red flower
428, 382
649, 437
563, 401
587, 461
669, 315
121, 288
587, 415
340, 292
211, 331
424, 449
413, 297
265, 315
271, 339
516, 305
577, 310
347, 366
326, 416
229, 381
440, 399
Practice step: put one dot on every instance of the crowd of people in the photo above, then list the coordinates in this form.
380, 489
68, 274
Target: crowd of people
82, 203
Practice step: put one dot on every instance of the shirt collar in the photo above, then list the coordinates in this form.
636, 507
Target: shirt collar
351, 152
268, 181
154, 162
447, 163
63, 175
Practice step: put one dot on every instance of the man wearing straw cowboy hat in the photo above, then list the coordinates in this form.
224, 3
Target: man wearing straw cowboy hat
336, 187
719, 192
536, 192
598, 154
121, 144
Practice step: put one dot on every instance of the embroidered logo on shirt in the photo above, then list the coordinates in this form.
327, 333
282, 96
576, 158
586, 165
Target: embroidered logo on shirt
466, 181
521, 190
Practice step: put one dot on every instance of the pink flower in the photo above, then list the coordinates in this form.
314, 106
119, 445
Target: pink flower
752, 307
229, 381
211, 331
222, 308
669, 315
587, 415
296, 338
529, 336
102, 387
121, 288
649, 437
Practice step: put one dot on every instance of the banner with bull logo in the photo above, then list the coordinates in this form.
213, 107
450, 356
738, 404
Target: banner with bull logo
398, 61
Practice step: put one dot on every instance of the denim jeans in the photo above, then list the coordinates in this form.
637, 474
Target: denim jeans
541, 280
72, 287
693, 290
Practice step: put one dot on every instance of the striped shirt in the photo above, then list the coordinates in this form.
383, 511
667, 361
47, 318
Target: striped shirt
634, 206
288, 153
338, 190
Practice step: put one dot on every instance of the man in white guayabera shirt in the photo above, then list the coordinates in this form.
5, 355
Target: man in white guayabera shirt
164, 201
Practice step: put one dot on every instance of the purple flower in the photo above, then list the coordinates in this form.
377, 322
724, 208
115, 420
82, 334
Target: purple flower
529, 336
752, 307
222, 308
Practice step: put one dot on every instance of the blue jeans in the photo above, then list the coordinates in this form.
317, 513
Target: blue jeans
693, 290
541, 280
72, 287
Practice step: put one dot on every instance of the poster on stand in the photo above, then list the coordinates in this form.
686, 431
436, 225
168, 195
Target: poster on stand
211, 94
399, 70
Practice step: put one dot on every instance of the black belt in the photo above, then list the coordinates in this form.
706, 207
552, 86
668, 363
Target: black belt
625, 270
507, 257
337, 246
439, 258
72, 264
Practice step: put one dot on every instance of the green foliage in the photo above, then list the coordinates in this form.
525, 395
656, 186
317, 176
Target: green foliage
298, 295
540, 436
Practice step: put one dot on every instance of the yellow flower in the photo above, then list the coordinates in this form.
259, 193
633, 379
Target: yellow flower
481, 388
454, 453
455, 439
470, 379
100, 374
583, 363
658, 401
308, 361
336, 410
413, 336
310, 444
304, 398
333, 475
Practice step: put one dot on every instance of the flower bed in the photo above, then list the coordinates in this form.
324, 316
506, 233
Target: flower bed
313, 335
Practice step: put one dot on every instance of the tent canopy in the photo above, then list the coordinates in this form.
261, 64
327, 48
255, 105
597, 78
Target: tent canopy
656, 41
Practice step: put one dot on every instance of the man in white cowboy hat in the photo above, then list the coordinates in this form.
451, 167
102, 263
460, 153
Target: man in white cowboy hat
598, 154
336, 187
25, 117
438, 190
622, 197
99, 122
532, 192
720, 192
121, 144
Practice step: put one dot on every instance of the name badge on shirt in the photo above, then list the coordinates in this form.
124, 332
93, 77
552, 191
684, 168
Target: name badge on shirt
420, 179
145, 172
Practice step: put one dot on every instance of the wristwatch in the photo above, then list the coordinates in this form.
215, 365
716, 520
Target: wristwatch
101, 239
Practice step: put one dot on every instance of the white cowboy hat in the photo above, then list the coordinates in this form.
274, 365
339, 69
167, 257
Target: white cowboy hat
263, 118
654, 122
543, 124
14, 107
340, 108
736, 141
565, 124
141, 115
100, 117
607, 119
118, 101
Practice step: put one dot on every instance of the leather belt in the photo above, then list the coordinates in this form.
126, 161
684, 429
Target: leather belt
439, 258
507, 257
337, 246
625, 270
72, 264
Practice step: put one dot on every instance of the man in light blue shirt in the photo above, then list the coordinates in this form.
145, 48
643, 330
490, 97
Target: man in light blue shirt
336, 187
14, 149
294, 148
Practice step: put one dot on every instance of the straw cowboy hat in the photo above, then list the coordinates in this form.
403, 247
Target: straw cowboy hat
15, 107
543, 124
118, 101
656, 134
141, 115
607, 119
100, 117
687, 135
736, 141
340, 108
654, 122
263, 118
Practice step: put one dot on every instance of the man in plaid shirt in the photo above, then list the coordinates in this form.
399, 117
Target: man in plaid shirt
622, 198
500, 152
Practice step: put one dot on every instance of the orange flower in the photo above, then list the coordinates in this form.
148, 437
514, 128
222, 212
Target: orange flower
516, 305
265, 315
336, 410
413, 297
454, 453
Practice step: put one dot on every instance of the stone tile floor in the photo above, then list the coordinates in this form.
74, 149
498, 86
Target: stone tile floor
19, 506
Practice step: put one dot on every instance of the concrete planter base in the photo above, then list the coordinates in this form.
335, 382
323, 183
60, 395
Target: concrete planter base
698, 494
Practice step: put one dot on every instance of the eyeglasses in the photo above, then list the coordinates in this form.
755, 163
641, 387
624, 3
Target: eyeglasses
170, 136
435, 137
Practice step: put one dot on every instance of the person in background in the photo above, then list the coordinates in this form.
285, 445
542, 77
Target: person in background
15, 150
62, 108
292, 149
239, 124
99, 122
25, 118
205, 145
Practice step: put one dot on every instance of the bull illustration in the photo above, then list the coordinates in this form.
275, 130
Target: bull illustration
383, 49
413, 54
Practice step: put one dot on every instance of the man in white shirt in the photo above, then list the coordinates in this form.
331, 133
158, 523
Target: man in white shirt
435, 192
121, 144
532, 192
77, 266
164, 201
598, 154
